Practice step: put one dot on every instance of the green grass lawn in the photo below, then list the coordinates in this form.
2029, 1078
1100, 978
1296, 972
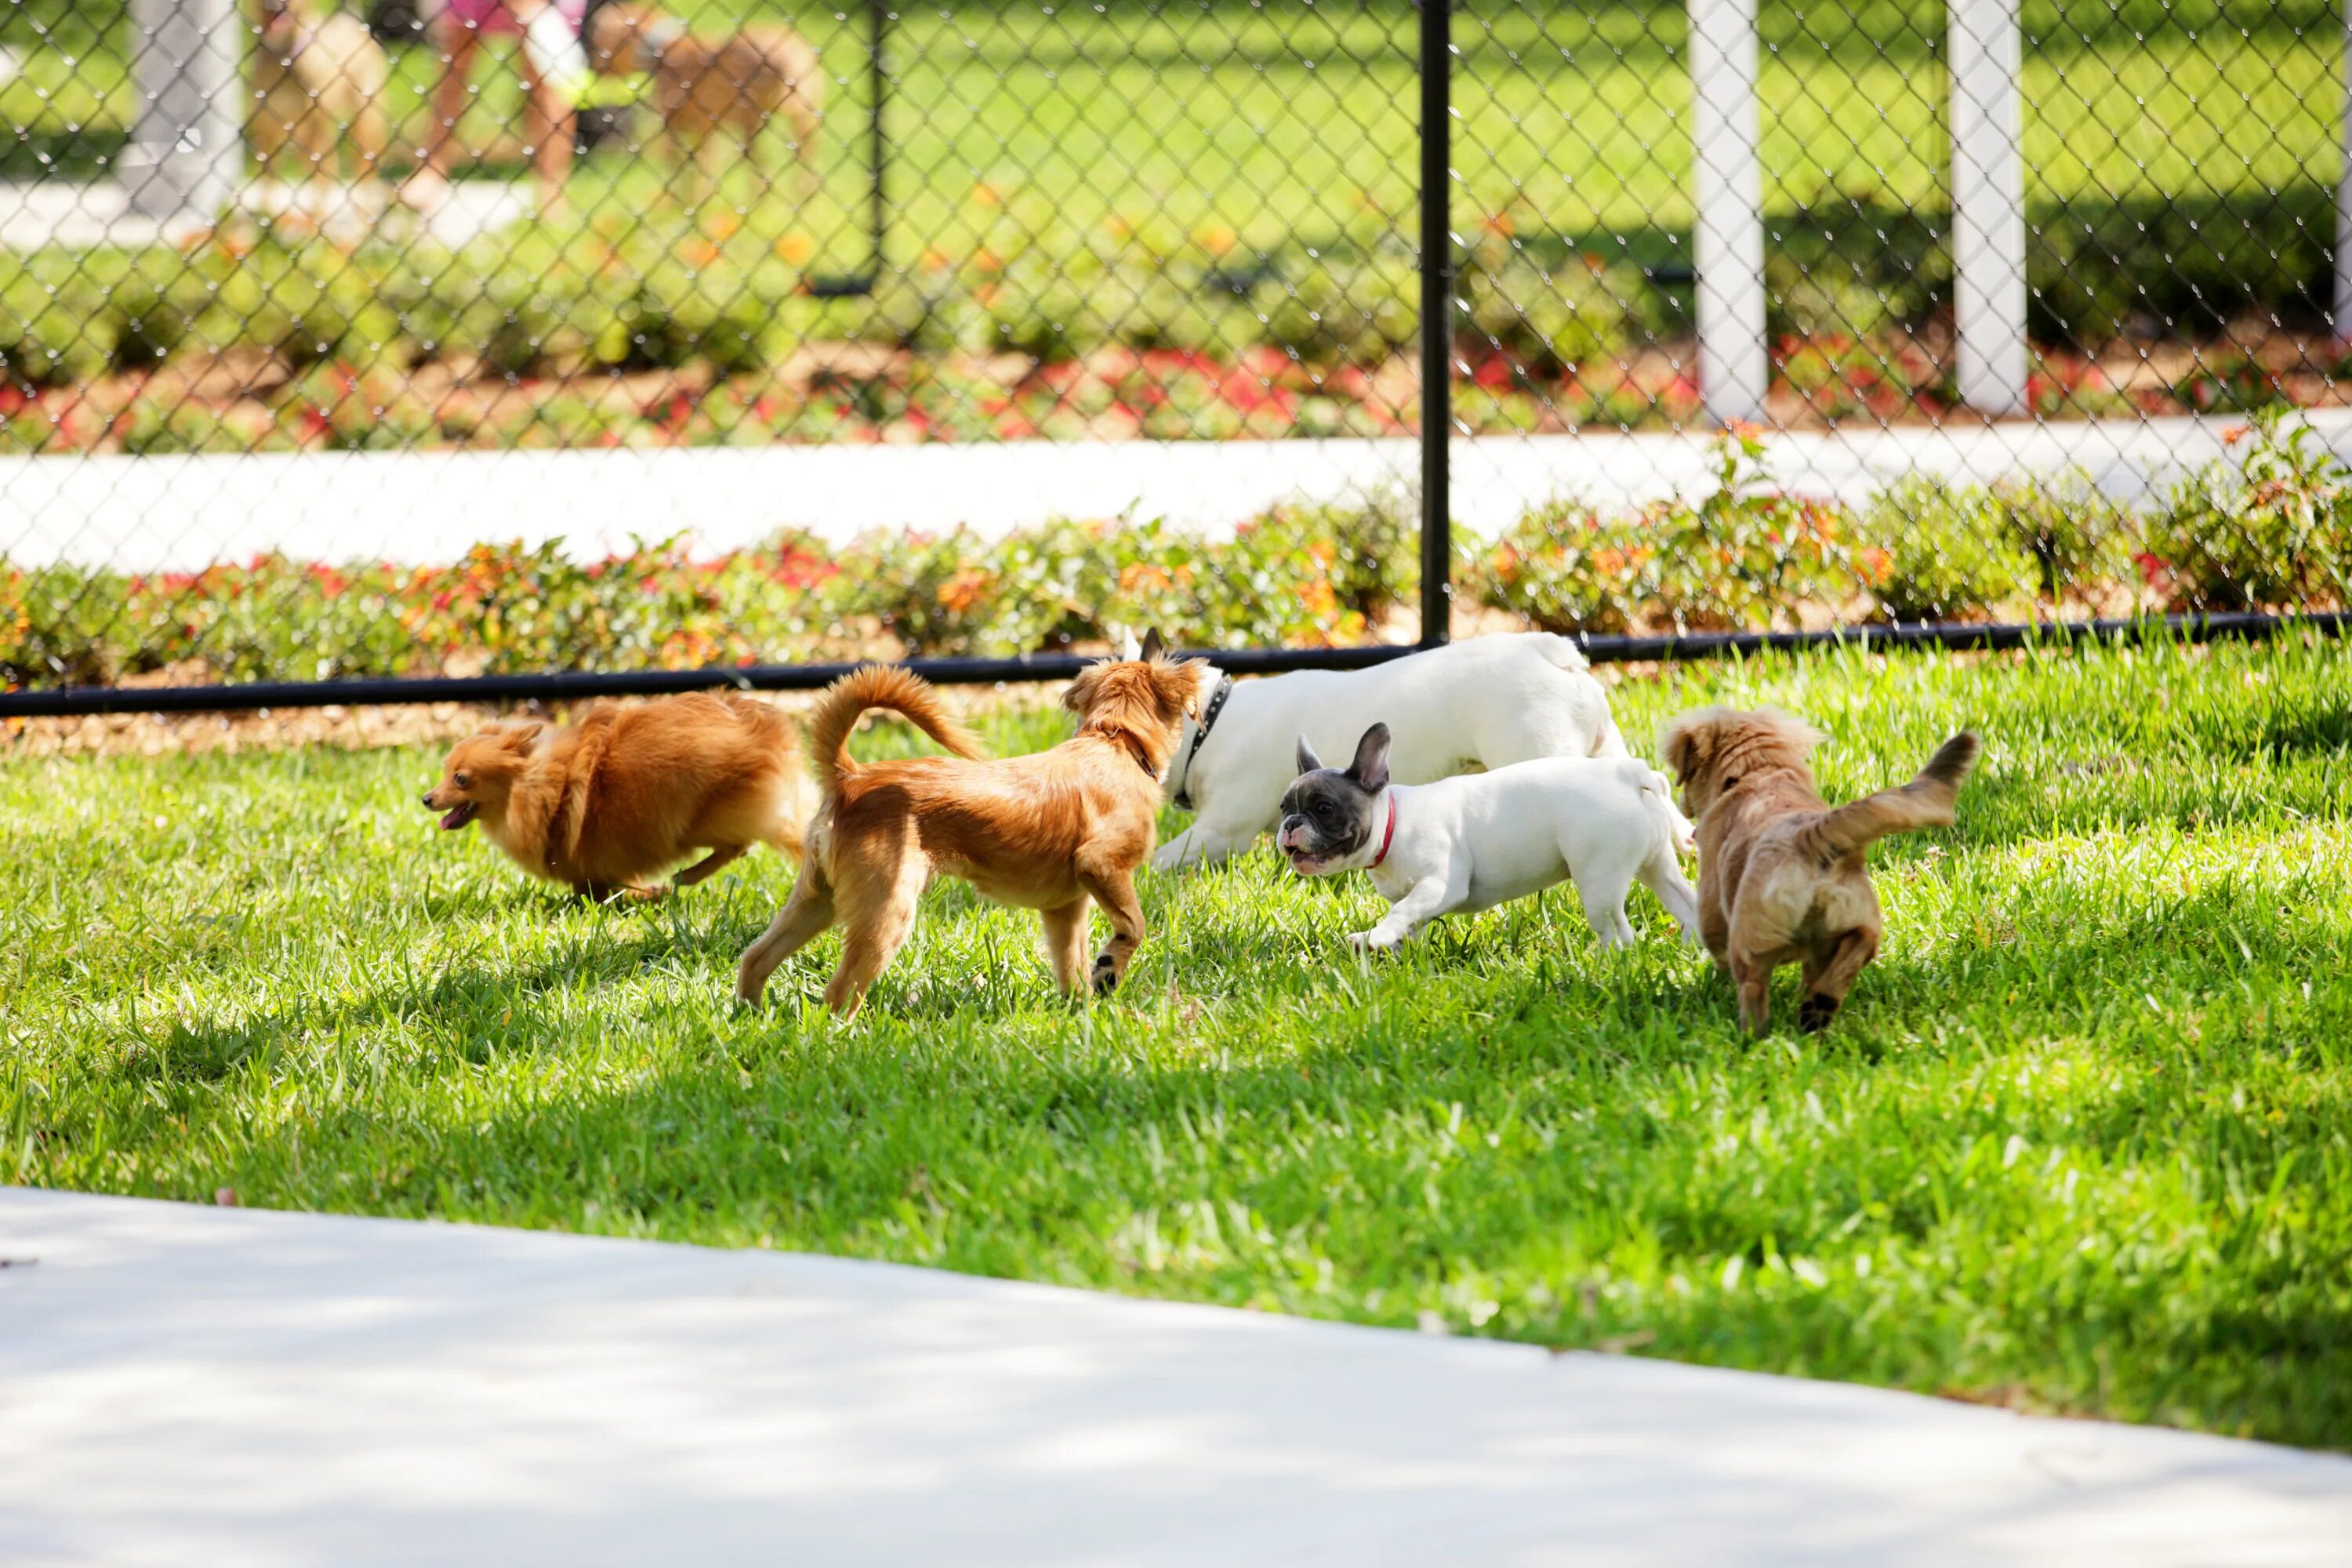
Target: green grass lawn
2083, 1140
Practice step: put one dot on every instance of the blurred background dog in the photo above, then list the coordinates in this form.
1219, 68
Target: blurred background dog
319, 79
740, 84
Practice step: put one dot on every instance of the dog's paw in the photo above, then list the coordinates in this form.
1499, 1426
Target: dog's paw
652, 895
1106, 975
1373, 940
1815, 1014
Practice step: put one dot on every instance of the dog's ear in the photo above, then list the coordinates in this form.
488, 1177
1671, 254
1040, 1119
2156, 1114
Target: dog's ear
1128, 649
1080, 695
1678, 744
1309, 763
523, 735
1371, 768
1152, 647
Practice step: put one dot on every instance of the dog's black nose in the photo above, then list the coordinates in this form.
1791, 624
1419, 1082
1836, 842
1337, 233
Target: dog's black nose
425, 800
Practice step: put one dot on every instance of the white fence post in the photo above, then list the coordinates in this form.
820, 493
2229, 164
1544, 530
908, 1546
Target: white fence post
1735, 364
1987, 205
2342, 325
187, 151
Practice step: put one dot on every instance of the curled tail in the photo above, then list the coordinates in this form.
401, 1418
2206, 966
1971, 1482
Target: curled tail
1560, 652
876, 685
1924, 801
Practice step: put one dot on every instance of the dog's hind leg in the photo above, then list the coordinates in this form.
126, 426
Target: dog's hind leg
878, 915
1754, 978
805, 914
1830, 974
717, 860
1604, 910
1113, 889
1066, 943
371, 136
1661, 873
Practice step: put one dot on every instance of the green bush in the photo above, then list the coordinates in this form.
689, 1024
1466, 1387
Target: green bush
1936, 551
1362, 315
1547, 320
2273, 533
54, 327
1566, 567
2079, 537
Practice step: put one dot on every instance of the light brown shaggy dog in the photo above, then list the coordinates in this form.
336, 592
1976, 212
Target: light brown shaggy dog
740, 83
630, 792
319, 78
1051, 832
1781, 875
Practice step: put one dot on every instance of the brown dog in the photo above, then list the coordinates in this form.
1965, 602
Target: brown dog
318, 84
1781, 878
1050, 832
631, 791
740, 83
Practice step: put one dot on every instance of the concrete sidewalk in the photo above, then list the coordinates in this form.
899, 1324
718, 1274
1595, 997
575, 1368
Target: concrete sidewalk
192, 1386
182, 513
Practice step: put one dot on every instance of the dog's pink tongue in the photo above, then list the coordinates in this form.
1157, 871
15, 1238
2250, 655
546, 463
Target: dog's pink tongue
455, 817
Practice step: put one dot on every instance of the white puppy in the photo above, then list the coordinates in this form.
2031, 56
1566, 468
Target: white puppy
1474, 842
1483, 703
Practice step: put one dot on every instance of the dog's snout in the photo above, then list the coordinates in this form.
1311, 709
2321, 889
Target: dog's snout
426, 800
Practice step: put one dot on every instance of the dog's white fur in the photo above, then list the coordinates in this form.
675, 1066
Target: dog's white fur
1486, 703
1470, 842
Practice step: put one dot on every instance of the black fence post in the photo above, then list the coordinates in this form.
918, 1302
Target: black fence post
878, 22
1436, 320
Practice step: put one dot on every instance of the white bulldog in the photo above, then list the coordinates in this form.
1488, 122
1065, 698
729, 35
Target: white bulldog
1467, 844
1486, 703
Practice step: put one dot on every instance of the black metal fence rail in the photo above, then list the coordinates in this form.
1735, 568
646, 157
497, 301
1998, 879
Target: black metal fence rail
573, 685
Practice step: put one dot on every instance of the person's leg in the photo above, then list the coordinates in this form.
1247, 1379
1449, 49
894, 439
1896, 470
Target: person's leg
457, 45
549, 111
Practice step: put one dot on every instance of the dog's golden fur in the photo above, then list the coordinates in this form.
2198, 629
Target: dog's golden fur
319, 79
606, 806
740, 83
1054, 832
1781, 874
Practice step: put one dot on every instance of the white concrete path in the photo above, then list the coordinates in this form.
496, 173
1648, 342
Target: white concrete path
193, 1386
182, 513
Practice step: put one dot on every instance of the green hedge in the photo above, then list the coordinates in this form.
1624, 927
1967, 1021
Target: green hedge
2273, 530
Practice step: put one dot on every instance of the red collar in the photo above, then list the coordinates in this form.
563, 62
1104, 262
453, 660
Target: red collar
1388, 837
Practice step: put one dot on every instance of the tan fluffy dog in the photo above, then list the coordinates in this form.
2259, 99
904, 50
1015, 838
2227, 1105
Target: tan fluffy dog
607, 806
1781, 875
1051, 832
319, 78
740, 83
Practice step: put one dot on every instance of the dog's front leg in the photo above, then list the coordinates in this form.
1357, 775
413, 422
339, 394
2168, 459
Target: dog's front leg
1202, 845
1423, 902
1113, 889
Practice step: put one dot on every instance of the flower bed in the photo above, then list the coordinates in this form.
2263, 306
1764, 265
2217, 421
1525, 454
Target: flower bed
610, 333
2268, 527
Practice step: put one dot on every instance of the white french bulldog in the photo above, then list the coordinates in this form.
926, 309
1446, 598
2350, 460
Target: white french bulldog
1486, 703
1473, 842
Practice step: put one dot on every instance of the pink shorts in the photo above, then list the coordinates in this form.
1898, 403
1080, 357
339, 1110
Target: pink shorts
494, 17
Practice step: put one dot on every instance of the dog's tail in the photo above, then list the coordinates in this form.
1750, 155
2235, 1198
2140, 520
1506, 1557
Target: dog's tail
877, 686
1657, 793
1925, 802
1560, 652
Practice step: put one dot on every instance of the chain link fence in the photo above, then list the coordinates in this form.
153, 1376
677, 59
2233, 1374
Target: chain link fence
486, 339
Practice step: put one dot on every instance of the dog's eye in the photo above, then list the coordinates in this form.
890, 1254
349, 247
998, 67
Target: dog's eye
465, 781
